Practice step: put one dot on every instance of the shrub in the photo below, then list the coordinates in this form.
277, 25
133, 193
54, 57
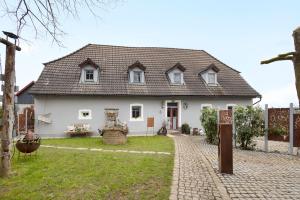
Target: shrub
278, 130
209, 122
185, 128
249, 122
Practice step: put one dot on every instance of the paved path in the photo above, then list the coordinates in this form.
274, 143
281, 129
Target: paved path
193, 176
257, 175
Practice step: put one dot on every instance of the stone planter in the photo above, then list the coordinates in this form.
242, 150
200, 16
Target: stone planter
114, 131
114, 136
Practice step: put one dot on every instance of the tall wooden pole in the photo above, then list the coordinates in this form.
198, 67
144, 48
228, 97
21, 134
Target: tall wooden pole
296, 60
8, 107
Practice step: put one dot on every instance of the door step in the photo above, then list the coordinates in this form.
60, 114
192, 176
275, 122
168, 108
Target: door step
174, 132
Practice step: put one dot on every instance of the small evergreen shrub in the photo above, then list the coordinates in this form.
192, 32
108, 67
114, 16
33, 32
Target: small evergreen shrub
209, 123
185, 129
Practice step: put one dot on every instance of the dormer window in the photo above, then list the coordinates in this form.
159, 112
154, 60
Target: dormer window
175, 74
89, 71
177, 78
137, 76
136, 73
89, 75
212, 77
209, 75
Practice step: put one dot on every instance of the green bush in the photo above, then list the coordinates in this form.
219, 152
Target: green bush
185, 128
209, 123
278, 130
249, 122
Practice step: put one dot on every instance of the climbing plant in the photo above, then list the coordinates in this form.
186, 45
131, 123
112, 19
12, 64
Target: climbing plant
249, 122
209, 122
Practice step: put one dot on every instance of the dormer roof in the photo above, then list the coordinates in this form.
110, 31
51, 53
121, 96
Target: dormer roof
176, 66
137, 64
88, 61
212, 67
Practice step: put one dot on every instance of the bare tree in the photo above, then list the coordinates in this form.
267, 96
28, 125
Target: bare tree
292, 56
44, 15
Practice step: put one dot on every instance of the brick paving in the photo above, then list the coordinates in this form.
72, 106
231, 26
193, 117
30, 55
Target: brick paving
273, 146
257, 175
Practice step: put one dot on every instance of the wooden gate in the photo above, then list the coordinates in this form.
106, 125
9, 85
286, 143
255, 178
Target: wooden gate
296, 130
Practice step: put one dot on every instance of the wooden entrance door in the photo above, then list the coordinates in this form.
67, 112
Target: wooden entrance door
172, 115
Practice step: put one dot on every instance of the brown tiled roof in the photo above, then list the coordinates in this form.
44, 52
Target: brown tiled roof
61, 76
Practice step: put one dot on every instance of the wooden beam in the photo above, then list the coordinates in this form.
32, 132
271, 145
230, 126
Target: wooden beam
8, 43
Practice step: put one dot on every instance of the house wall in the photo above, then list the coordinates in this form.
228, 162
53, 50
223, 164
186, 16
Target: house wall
63, 111
25, 98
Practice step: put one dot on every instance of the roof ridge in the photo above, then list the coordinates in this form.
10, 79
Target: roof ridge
67, 54
154, 47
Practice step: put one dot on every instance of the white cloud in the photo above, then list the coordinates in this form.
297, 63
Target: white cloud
280, 97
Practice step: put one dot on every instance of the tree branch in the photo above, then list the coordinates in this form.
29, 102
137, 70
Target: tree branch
280, 57
44, 15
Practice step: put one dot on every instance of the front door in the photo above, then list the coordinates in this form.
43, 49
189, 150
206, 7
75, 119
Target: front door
172, 116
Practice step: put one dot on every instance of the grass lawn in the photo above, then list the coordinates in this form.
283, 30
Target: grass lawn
75, 174
151, 143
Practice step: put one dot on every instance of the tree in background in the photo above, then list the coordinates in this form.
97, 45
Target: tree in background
46, 15
293, 56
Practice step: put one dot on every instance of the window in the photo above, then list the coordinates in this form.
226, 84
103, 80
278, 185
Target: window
89, 75
136, 112
177, 78
211, 78
85, 114
137, 76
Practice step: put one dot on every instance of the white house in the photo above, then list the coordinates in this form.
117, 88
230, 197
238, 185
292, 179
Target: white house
169, 84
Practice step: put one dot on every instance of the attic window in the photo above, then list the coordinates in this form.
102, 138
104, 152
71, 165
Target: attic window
177, 78
89, 75
136, 73
211, 78
137, 76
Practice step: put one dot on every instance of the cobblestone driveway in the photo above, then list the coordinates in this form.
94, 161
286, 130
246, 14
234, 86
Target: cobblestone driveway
257, 175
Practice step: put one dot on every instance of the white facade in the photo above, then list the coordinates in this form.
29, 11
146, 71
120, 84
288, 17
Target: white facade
63, 111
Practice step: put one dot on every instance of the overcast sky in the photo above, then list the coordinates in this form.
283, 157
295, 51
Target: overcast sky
239, 33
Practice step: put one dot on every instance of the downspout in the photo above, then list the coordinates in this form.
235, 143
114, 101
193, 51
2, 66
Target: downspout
257, 101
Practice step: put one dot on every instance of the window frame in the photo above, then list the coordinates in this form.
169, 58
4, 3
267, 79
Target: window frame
86, 73
80, 114
180, 78
141, 118
208, 78
134, 72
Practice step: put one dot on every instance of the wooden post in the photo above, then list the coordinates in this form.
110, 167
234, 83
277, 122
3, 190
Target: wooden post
26, 120
291, 129
225, 149
233, 127
266, 127
8, 107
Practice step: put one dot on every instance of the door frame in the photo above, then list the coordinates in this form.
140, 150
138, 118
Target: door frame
178, 110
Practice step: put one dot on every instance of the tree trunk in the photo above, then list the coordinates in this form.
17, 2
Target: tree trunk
8, 110
296, 61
